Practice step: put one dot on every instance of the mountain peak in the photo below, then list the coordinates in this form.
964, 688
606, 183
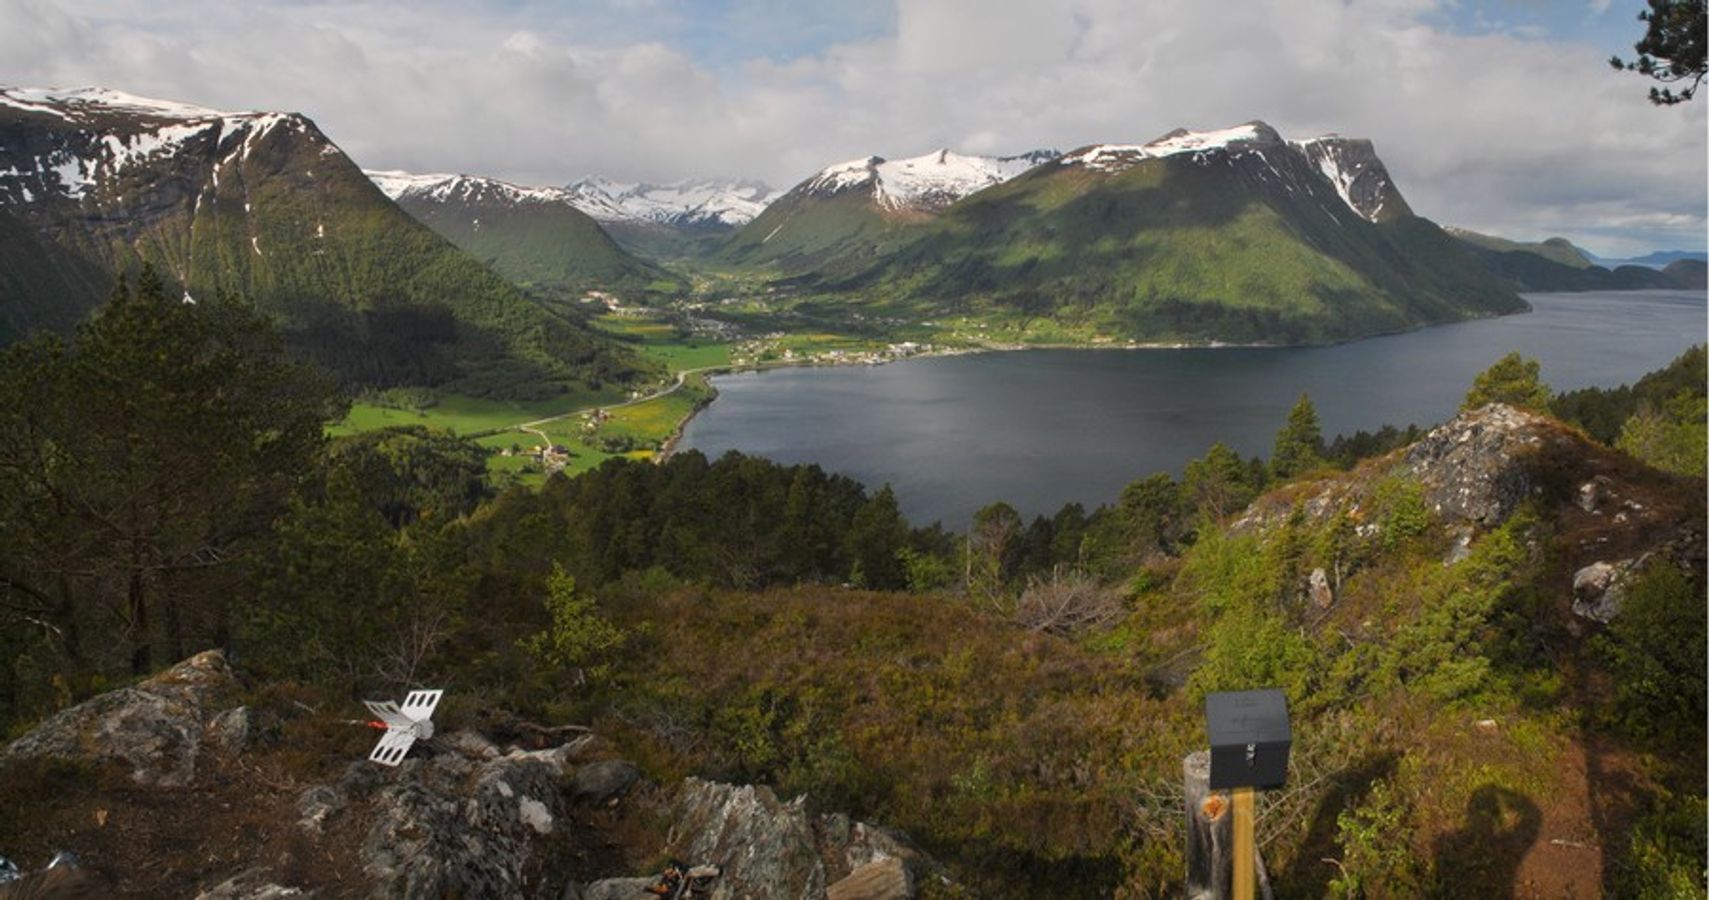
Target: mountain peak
924, 183
1350, 164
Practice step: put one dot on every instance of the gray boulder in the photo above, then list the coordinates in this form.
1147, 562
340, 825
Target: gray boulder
597, 783
157, 729
1317, 586
1599, 588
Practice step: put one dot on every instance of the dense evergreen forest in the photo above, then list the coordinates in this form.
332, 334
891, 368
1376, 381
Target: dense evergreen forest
1017, 696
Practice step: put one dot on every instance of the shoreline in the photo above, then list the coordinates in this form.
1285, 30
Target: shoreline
673, 442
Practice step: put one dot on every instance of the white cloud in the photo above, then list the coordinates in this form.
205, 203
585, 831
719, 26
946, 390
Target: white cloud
1493, 130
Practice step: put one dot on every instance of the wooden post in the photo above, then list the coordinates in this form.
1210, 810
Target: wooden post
1210, 832
1212, 837
1244, 851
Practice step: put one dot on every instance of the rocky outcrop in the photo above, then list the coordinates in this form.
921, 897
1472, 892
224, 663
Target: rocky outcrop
769, 848
461, 817
157, 729
450, 824
1478, 468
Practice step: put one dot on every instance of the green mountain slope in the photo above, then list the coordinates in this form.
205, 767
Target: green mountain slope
802, 232
1557, 265
264, 206
532, 236
1555, 249
1220, 236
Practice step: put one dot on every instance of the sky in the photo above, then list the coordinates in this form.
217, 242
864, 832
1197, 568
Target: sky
1497, 115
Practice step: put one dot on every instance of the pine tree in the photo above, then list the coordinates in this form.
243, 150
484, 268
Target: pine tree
1299, 445
140, 463
875, 541
1513, 380
1220, 483
1672, 50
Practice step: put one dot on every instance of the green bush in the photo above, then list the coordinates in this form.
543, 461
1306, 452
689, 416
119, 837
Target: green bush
1377, 858
580, 639
1655, 648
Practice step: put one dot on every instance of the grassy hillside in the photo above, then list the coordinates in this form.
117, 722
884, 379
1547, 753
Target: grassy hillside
1556, 249
552, 247
801, 233
1556, 265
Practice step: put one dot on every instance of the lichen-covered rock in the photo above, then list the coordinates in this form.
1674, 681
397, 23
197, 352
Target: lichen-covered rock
1478, 467
453, 826
766, 846
237, 730
774, 849
157, 728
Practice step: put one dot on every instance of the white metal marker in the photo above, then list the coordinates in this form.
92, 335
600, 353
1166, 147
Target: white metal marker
404, 725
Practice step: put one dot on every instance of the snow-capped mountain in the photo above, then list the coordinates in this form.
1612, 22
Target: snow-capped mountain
1350, 164
96, 182
100, 135
925, 183
533, 235
849, 210
442, 188
692, 203
1233, 234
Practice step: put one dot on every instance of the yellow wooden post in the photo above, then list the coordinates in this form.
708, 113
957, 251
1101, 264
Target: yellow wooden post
1245, 867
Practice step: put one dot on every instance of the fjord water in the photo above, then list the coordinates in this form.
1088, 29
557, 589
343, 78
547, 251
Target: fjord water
1040, 428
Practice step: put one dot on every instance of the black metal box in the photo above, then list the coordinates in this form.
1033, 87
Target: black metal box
1249, 735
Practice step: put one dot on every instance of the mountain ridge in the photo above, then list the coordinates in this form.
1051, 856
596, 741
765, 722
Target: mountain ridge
266, 206
1229, 235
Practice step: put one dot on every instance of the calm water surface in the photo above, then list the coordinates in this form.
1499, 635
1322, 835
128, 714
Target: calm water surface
1040, 428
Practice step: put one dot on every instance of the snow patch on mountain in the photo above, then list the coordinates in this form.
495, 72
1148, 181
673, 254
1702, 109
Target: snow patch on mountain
70, 103
107, 132
1118, 157
693, 202
468, 189
929, 182
1353, 168
1349, 165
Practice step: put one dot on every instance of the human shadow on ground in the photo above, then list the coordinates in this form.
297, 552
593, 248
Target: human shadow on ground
1481, 858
